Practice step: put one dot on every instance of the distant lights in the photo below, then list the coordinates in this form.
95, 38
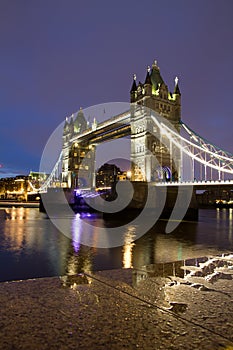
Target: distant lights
129, 174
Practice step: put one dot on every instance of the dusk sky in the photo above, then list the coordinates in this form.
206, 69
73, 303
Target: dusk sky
56, 56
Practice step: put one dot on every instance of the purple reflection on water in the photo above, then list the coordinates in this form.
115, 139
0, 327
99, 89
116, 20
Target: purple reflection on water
76, 232
77, 228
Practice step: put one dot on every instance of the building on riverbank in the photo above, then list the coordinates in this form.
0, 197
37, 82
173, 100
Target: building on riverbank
21, 187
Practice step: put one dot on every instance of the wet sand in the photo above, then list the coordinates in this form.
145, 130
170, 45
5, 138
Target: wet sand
120, 309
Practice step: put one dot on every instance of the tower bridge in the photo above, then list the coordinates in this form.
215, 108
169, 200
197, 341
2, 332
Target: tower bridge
164, 150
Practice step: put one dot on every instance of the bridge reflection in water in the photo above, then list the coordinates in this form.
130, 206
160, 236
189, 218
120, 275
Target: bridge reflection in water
30, 245
213, 234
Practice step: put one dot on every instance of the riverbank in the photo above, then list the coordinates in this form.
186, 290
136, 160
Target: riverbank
11, 204
121, 309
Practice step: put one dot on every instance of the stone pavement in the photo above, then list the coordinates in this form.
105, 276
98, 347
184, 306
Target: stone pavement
119, 309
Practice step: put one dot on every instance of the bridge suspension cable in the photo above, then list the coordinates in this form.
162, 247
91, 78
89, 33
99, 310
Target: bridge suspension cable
196, 138
198, 149
55, 174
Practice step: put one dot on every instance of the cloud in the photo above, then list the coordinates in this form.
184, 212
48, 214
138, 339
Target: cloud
9, 172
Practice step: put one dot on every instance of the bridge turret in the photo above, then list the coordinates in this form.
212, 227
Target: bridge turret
177, 99
176, 88
140, 90
148, 83
156, 77
71, 126
133, 91
65, 149
163, 91
155, 95
80, 123
66, 127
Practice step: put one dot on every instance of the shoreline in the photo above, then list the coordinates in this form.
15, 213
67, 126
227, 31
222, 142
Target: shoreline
11, 204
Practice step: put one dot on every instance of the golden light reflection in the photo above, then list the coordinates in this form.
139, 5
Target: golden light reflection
72, 266
79, 263
127, 260
21, 213
16, 230
230, 224
15, 234
230, 215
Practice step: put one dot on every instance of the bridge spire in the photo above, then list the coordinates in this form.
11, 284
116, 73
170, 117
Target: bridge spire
155, 64
177, 89
148, 79
155, 75
134, 86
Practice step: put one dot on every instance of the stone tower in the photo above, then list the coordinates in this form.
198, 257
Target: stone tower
78, 157
151, 158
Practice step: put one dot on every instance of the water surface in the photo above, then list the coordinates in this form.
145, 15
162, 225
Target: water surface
31, 246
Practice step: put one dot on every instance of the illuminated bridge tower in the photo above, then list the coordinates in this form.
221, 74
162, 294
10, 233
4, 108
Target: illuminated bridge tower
151, 158
78, 156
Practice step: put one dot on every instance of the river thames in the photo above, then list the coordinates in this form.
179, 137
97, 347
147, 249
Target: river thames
31, 246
